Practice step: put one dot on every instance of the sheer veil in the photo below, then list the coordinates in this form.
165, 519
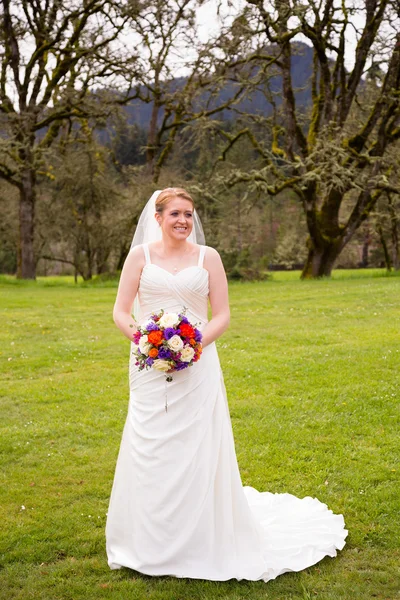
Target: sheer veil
148, 230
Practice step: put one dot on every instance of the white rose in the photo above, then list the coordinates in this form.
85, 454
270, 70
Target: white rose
187, 354
144, 345
161, 365
175, 343
169, 320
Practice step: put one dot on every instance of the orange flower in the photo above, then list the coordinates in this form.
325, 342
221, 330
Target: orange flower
155, 337
153, 353
192, 342
198, 352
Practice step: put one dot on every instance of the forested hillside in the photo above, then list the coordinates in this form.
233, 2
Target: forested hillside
284, 128
139, 112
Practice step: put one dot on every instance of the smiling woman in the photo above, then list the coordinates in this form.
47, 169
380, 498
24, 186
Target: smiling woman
174, 215
178, 506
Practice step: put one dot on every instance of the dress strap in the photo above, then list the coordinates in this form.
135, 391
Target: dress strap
146, 253
201, 255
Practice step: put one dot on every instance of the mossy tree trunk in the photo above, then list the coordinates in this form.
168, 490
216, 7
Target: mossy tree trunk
365, 249
394, 228
26, 267
320, 260
326, 236
386, 254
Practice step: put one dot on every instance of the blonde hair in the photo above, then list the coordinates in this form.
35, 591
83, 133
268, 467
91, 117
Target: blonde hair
168, 194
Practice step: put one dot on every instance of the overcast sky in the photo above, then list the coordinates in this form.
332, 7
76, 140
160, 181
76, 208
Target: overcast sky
208, 21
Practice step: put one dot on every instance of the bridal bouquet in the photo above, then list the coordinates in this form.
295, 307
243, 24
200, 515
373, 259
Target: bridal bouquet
167, 342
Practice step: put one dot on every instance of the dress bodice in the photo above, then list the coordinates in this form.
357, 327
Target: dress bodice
160, 289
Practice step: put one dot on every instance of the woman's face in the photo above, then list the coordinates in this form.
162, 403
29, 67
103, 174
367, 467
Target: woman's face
176, 219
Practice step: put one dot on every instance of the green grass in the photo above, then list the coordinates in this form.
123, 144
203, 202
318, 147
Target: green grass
312, 374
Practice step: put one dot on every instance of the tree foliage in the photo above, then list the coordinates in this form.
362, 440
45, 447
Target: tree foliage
178, 74
53, 55
321, 161
341, 148
81, 217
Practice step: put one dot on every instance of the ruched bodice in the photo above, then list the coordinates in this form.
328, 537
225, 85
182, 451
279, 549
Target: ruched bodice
160, 289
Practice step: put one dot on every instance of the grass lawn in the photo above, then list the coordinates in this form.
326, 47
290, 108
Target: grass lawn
312, 370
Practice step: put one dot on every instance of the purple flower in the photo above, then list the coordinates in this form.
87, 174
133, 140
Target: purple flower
184, 319
149, 361
198, 336
164, 353
152, 327
169, 332
180, 365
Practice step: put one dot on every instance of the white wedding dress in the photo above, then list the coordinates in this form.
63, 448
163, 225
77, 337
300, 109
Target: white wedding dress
178, 506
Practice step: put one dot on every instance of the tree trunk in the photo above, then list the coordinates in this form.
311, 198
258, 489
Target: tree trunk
395, 234
365, 249
239, 226
123, 253
320, 261
395, 248
152, 140
86, 246
386, 254
102, 255
26, 260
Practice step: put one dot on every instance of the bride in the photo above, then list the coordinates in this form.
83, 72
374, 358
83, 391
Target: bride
178, 506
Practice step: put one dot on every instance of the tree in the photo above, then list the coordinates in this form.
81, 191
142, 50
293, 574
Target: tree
78, 222
385, 220
8, 230
394, 230
53, 55
340, 149
170, 44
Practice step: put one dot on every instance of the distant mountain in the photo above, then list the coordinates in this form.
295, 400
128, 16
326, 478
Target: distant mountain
139, 112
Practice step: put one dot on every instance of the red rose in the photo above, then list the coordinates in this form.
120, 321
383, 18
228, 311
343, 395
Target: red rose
186, 330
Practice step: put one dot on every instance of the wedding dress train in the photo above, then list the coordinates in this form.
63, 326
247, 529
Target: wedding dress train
178, 506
